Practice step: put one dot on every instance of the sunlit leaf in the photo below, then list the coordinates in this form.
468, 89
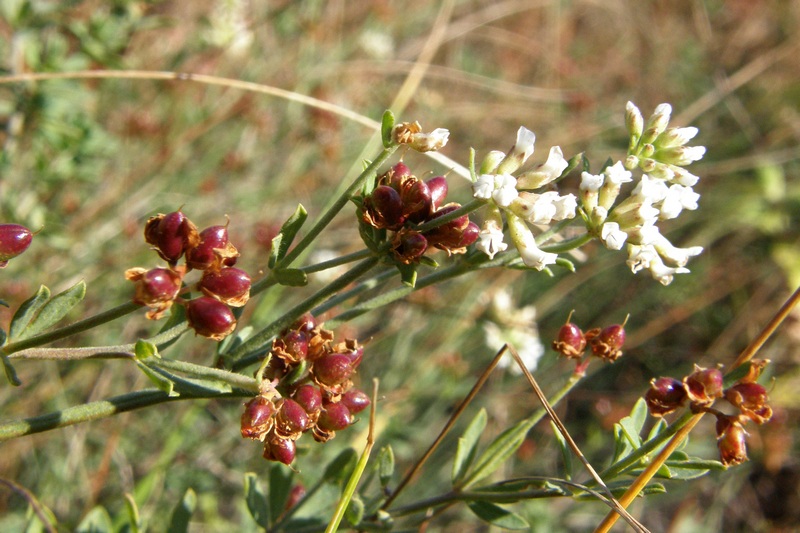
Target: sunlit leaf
27, 311
179, 523
497, 516
499, 451
284, 239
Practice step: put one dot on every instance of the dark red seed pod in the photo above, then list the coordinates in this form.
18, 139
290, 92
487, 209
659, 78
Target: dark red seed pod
297, 493
704, 385
570, 342
395, 176
210, 318
408, 246
384, 208
156, 288
334, 417
309, 398
257, 418
355, 400
213, 251
438, 189
332, 369
292, 346
228, 285
752, 401
14, 239
731, 442
453, 236
665, 395
608, 343
305, 323
416, 200
291, 420
175, 235
281, 450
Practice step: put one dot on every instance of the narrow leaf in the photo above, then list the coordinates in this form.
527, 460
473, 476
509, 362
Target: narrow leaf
622, 445
145, 350
573, 163
157, 379
284, 239
499, 451
134, 519
385, 465
179, 523
355, 511
280, 486
55, 309
292, 277
256, 500
387, 125
27, 311
408, 274
467, 446
11, 374
566, 453
96, 521
497, 516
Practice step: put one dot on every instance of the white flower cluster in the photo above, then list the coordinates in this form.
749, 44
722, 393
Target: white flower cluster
512, 196
662, 193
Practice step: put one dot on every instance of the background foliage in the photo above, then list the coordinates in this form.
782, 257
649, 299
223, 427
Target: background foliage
89, 161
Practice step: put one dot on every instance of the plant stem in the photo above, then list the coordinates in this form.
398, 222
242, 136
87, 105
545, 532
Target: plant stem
465, 209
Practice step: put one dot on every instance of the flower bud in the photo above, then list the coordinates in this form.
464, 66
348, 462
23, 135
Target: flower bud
634, 121
731, 441
704, 385
570, 341
332, 369
334, 417
291, 419
213, 251
210, 318
752, 401
608, 343
355, 400
257, 418
281, 450
156, 288
228, 285
665, 395
14, 239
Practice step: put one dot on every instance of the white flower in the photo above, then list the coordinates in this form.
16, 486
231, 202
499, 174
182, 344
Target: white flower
590, 184
483, 186
683, 177
664, 274
411, 133
523, 239
634, 120
546, 172
505, 189
643, 235
677, 198
615, 176
490, 162
490, 238
525, 341
650, 189
680, 156
612, 236
634, 211
673, 254
676, 137
520, 153
565, 207
535, 208
640, 257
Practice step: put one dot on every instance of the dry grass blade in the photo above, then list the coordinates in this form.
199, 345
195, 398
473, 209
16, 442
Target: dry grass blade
563, 430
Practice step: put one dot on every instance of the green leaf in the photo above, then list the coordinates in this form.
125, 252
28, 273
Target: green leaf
499, 451
622, 445
179, 523
27, 311
134, 519
387, 125
11, 374
618, 488
340, 468
565, 263
467, 446
292, 277
497, 516
736, 374
54, 310
282, 241
657, 428
256, 500
144, 350
161, 382
428, 261
566, 453
385, 465
355, 511
408, 274
280, 486
572, 163
96, 521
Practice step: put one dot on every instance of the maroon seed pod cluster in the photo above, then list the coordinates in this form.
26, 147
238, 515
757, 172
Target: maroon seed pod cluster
401, 201
173, 236
606, 343
322, 401
701, 389
14, 239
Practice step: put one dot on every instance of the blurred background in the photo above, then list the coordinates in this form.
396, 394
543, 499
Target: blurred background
88, 161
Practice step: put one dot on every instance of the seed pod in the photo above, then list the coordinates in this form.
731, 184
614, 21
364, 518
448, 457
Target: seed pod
704, 385
305, 323
570, 342
438, 189
228, 285
383, 208
334, 417
731, 441
453, 236
258, 418
213, 251
395, 176
752, 401
291, 347
332, 369
210, 318
14, 239
171, 235
665, 395
281, 450
156, 288
608, 343
416, 200
408, 246
309, 398
355, 400
291, 420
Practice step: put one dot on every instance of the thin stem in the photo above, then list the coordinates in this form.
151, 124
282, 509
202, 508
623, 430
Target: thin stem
97, 410
200, 371
471, 206
337, 261
570, 244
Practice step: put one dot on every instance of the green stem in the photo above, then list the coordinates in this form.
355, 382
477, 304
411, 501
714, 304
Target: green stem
97, 410
72, 329
204, 372
570, 244
337, 261
465, 209
249, 351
